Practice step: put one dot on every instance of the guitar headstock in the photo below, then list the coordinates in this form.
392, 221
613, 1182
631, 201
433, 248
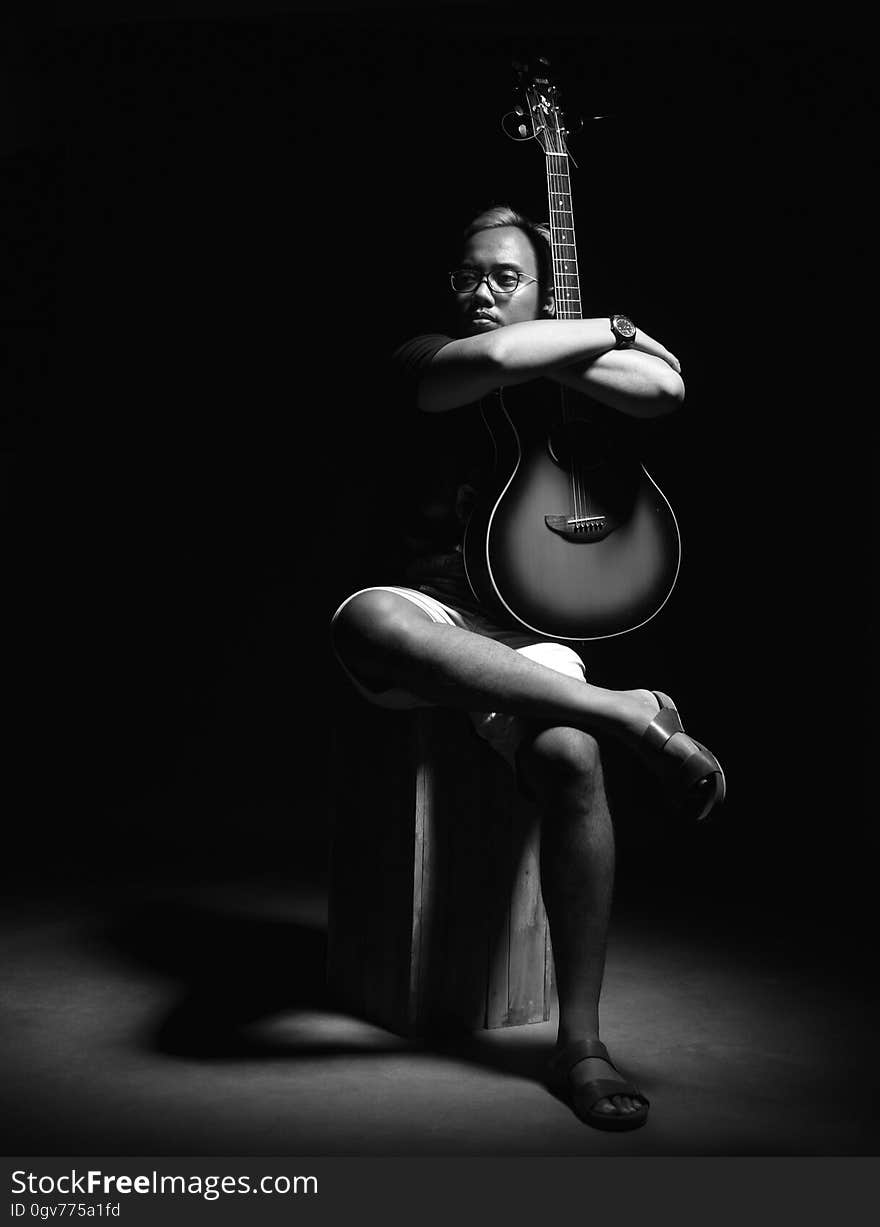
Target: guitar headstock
538, 113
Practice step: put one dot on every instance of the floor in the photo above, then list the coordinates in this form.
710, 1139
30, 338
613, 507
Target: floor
166, 1017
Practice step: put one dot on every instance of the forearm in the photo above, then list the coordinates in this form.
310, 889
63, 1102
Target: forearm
638, 384
538, 347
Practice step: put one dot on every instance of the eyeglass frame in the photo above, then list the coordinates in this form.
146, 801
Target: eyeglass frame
487, 277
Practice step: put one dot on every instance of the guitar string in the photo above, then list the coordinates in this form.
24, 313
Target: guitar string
572, 311
555, 185
557, 180
561, 301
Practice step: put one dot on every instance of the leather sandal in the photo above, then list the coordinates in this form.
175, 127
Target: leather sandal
582, 1099
695, 778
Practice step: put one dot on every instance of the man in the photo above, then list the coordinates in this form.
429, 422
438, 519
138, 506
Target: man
431, 643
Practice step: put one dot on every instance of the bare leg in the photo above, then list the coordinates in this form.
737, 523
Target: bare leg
564, 770
389, 643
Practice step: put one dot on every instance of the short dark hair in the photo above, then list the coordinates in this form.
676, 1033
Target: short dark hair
538, 234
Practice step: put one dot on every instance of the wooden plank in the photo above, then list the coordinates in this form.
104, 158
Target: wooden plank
497, 820
426, 888
344, 959
371, 864
549, 972
527, 927
388, 868
518, 976
460, 980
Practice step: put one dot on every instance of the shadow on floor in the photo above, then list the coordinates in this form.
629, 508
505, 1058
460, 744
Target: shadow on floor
237, 970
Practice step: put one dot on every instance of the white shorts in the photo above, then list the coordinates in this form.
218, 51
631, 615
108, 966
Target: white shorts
503, 732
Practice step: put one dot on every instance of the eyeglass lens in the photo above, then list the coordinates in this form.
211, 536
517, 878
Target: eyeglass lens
501, 281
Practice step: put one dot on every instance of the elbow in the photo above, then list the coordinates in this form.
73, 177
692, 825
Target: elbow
496, 355
669, 393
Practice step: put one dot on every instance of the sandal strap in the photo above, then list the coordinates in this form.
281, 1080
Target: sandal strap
563, 1061
664, 725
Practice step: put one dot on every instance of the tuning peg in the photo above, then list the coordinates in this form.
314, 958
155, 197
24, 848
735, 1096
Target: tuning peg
516, 131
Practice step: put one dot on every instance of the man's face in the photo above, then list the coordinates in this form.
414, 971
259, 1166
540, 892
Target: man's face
489, 251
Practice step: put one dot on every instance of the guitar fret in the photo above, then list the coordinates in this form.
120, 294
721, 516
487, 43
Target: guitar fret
565, 270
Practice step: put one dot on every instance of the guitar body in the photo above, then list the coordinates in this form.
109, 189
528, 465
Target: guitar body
574, 541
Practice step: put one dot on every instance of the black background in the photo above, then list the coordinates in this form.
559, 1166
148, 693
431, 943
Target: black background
221, 220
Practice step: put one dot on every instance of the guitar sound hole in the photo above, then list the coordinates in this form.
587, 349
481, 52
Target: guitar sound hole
579, 443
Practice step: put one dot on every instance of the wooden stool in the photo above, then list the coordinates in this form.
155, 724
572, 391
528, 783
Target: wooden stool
436, 917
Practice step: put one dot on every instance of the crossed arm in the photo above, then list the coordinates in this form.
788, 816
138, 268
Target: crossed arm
643, 381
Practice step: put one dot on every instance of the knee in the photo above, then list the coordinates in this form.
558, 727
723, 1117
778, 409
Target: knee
562, 760
372, 622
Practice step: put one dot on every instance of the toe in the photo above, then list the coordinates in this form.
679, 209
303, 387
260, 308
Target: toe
590, 1070
616, 1105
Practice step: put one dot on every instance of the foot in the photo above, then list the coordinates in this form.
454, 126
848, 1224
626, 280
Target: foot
592, 1068
641, 706
692, 774
582, 1071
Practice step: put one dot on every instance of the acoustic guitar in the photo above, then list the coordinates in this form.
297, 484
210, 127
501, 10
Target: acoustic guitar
574, 540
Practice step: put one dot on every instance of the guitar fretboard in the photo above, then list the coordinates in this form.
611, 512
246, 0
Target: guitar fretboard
562, 238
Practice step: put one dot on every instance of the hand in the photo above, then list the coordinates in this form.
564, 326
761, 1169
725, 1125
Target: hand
649, 346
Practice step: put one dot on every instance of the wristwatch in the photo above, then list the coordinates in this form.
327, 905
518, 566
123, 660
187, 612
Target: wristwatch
624, 331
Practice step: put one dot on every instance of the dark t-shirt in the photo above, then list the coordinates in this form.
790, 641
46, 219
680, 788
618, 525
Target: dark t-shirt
448, 458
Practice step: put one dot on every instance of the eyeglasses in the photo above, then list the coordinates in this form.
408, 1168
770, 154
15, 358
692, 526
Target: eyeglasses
499, 281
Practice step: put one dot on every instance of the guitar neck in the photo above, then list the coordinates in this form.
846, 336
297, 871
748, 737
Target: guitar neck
562, 238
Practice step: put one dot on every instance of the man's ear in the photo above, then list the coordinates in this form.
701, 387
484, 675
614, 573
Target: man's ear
549, 307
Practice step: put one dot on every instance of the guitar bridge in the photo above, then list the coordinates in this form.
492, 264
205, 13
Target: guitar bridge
578, 528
